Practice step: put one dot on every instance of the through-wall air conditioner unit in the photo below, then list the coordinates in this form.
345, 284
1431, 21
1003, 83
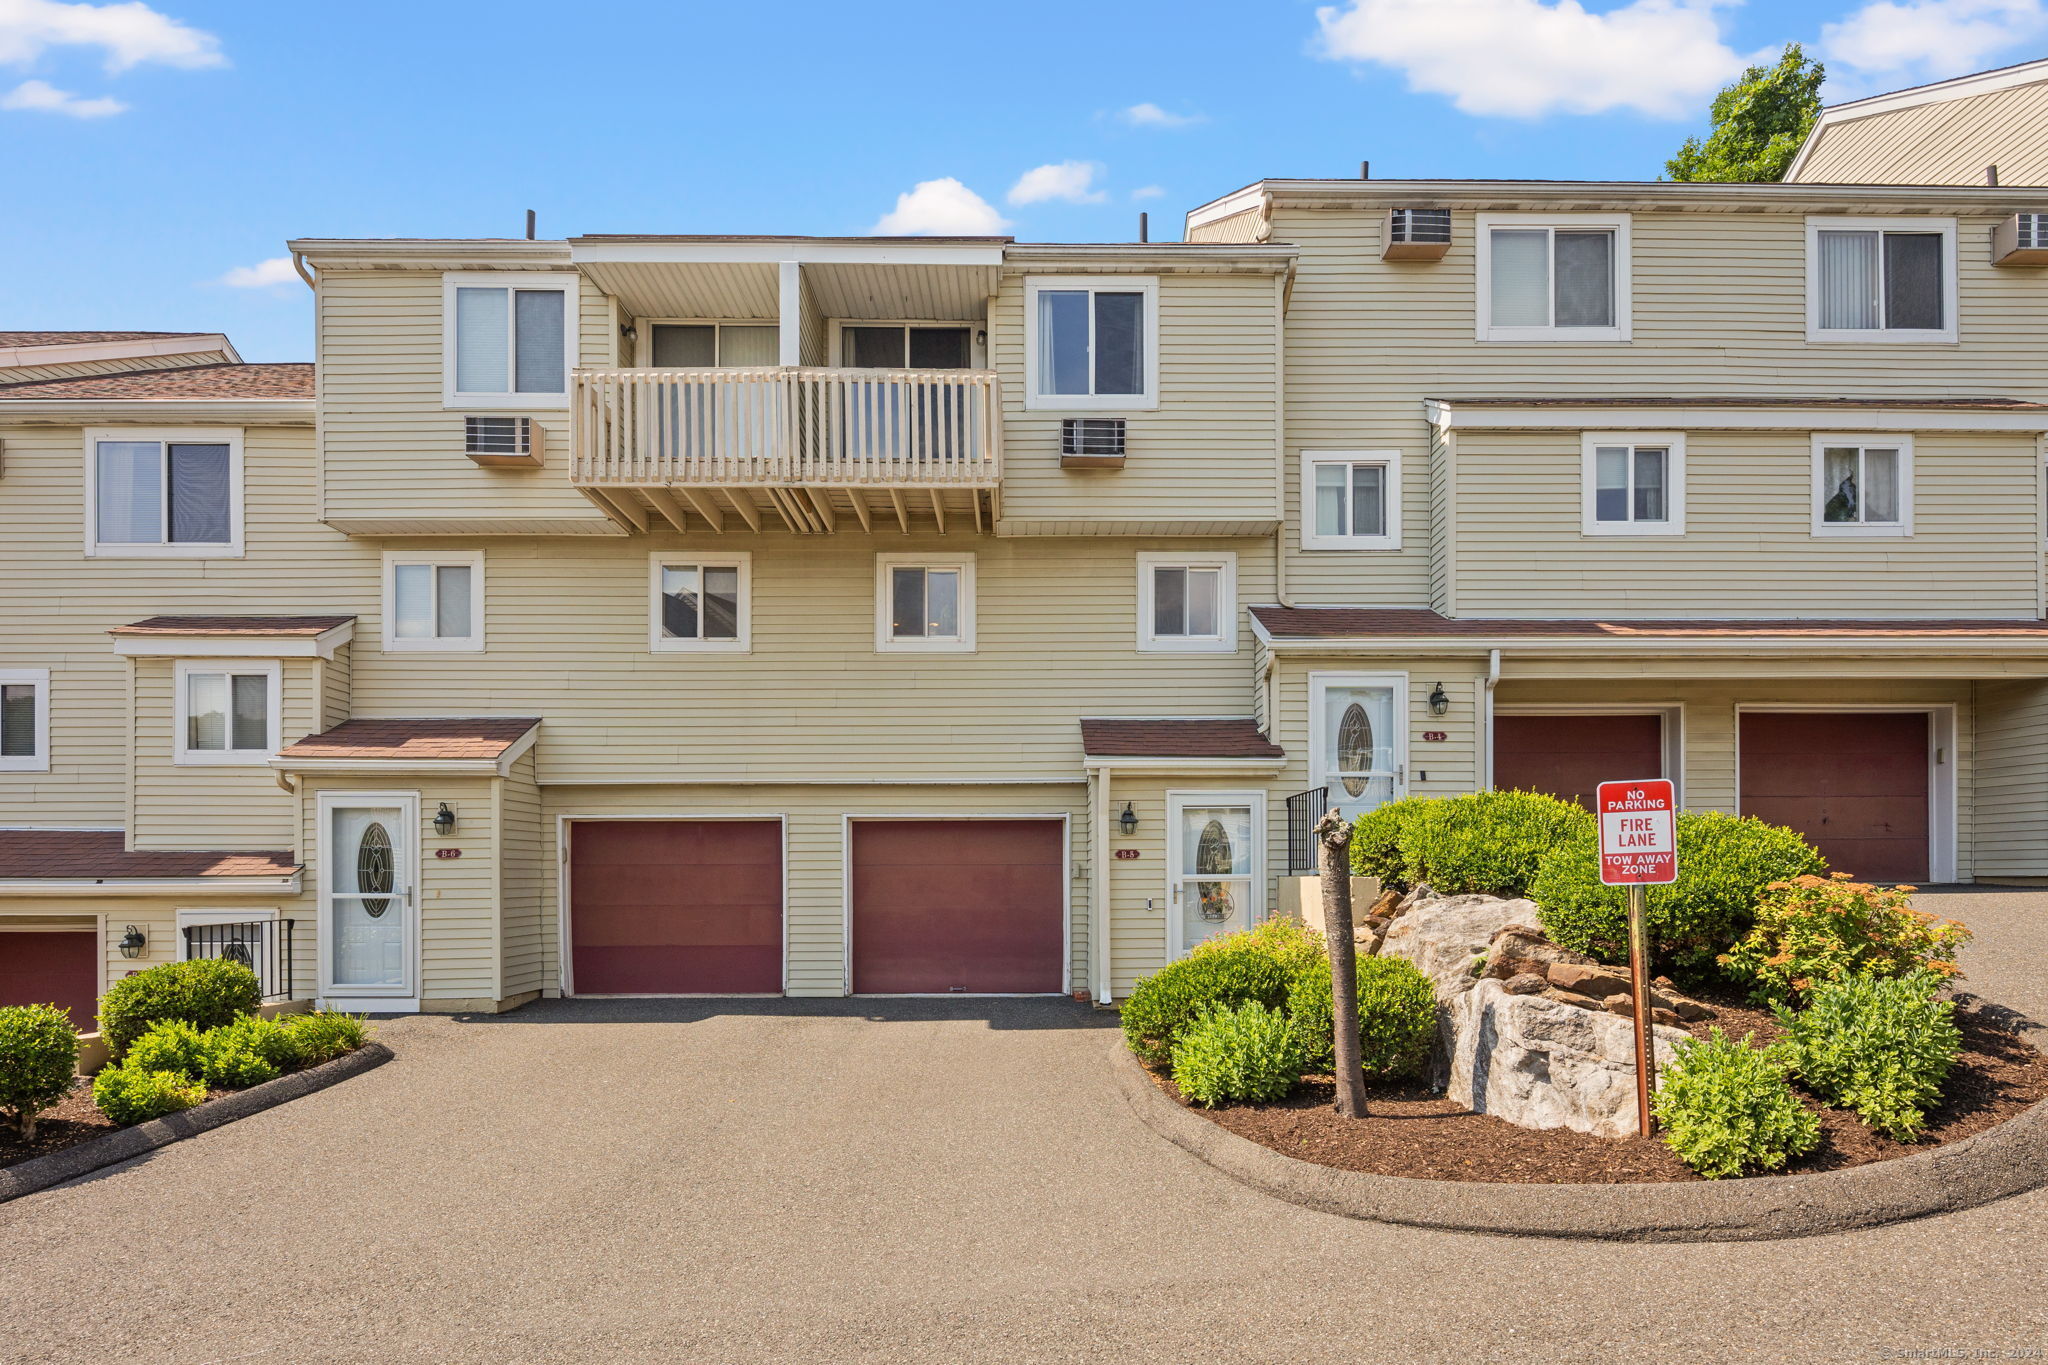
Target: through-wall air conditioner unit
2021, 240
1092, 443
504, 442
1416, 235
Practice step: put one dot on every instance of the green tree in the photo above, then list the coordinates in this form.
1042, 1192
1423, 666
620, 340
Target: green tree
1759, 122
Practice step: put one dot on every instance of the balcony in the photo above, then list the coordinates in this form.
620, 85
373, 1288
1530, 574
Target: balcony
807, 449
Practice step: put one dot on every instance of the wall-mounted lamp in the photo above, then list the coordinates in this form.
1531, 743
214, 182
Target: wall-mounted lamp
444, 821
629, 331
1128, 821
134, 943
981, 338
1439, 700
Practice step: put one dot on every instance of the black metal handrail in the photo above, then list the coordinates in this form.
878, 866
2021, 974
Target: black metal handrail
264, 946
1303, 810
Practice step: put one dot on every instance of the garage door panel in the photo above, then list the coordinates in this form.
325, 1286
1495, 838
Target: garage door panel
1853, 784
1570, 756
681, 907
970, 905
60, 968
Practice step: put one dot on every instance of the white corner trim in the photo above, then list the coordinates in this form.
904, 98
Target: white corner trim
1673, 442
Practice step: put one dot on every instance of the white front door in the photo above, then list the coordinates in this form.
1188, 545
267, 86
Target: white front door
1359, 738
1216, 882
369, 914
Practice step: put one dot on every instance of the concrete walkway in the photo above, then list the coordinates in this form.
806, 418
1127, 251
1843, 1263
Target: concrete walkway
894, 1181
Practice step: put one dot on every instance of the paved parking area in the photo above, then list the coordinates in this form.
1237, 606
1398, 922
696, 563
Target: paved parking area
895, 1181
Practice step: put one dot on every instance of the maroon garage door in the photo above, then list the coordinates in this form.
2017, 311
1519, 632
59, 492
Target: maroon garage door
1853, 782
61, 969
958, 905
676, 907
1570, 756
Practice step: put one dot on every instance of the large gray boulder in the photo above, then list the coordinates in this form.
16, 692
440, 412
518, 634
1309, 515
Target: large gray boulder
1444, 936
1544, 1064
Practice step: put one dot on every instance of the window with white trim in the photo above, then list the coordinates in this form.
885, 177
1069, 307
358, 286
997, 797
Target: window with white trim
711, 345
168, 494
1553, 277
1633, 483
227, 711
700, 603
434, 600
924, 603
1187, 604
1881, 279
510, 339
1350, 500
1091, 341
1863, 485
24, 720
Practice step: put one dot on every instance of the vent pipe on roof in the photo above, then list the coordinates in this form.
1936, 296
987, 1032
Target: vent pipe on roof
1365, 170
529, 225
1144, 227
1991, 175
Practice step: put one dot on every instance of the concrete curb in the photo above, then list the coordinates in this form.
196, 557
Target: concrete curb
125, 1144
2006, 1160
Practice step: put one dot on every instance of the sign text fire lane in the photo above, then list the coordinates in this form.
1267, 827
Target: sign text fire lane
1638, 832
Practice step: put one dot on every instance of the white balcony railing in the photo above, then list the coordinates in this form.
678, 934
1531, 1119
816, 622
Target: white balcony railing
737, 428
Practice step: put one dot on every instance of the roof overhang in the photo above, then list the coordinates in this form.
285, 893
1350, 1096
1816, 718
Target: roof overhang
1211, 258
135, 348
226, 644
1454, 415
501, 766
429, 253
475, 526
192, 887
247, 412
1946, 645
1125, 765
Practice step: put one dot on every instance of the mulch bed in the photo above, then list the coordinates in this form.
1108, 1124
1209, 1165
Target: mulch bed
75, 1119
1411, 1131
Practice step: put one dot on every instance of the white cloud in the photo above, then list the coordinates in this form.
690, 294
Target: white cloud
1150, 115
276, 270
1071, 182
944, 207
1148, 192
1527, 58
1926, 39
44, 98
130, 34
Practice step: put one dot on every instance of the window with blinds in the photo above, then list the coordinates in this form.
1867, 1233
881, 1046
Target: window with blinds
1882, 280
508, 339
168, 494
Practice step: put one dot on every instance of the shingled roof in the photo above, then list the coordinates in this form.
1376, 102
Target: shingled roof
428, 738
98, 854
1351, 623
84, 338
1147, 737
233, 625
286, 380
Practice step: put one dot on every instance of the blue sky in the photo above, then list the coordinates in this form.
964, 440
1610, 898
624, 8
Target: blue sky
174, 145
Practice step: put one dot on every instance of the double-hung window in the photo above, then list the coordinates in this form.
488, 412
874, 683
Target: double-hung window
1351, 500
1091, 341
510, 339
1863, 485
1187, 604
1881, 279
24, 720
1633, 483
227, 711
924, 603
173, 494
1553, 277
699, 603
434, 600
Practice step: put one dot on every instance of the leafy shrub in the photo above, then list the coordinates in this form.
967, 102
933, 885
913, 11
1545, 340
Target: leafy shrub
323, 1036
230, 1063
128, 1094
267, 1038
1225, 971
1483, 843
1813, 930
1724, 864
1881, 1046
1236, 1052
205, 993
38, 1058
1286, 940
1396, 1016
170, 1045
1727, 1108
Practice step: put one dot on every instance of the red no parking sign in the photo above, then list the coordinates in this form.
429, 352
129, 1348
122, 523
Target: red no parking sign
1638, 832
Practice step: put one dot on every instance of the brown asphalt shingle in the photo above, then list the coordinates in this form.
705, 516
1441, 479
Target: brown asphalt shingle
232, 625
1344, 623
81, 338
75, 853
1127, 737
435, 737
290, 380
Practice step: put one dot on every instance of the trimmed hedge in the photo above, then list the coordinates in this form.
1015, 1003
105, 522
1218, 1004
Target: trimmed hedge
1484, 843
1237, 1052
1396, 1016
1879, 1046
171, 1045
322, 1036
1225, 972
38, 1058
1727, 1108
1724, 864
128, 1094
204, 992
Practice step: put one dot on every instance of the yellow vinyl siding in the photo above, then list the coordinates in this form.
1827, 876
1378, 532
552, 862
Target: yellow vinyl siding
1943, 142
1206, 453
335, 691
522, 854
1248, 226
237, 805
814, 836
2011, 790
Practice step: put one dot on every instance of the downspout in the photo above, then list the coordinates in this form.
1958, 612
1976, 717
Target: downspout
1099, 861
1486, 717
1280, 284
305, 273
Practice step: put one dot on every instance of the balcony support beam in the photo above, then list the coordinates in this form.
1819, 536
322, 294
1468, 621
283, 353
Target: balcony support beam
743, 503
821, 499
704, 507
902, 512
939, 509
671, 510
861, 510
618, 508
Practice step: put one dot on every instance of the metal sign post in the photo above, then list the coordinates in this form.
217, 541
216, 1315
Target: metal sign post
1639, 848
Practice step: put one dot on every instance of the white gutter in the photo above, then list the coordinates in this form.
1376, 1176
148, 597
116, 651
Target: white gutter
1671, 645
150, 886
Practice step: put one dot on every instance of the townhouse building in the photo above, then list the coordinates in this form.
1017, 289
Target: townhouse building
756, 615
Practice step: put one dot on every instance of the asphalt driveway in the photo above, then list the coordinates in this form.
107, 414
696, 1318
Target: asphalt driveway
895, 1180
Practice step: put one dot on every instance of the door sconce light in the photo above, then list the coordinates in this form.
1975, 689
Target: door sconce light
444, 821
1128, 821
1439, 700
134, 943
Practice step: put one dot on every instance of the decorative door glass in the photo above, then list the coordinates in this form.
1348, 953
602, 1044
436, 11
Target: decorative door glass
1360, 759
1213, 874
369, 910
